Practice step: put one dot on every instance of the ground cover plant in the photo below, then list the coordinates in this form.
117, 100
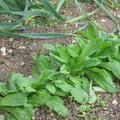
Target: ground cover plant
75, 71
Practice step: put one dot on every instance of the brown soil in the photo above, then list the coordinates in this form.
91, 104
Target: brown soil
18, 58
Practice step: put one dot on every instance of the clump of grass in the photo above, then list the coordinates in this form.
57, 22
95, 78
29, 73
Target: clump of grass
22, 13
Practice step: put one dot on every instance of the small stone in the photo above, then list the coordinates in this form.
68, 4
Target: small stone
21, 47
105, 109
11, 39
73, 41
114, 14
9, 21
51, 114
65, 25
3, 70
103, 20
33, 118
10, 51
115, 102
118, 16
3, 51
34, 43
30, 76
76, 25
22, 63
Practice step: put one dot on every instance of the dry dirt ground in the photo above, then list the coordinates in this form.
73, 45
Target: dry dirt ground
18, 58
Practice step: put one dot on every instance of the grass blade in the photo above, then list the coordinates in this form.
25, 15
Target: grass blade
49, 7
106, 11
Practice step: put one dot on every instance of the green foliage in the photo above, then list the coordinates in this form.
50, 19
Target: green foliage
56, 104
85, 108
79, 68
76, 70
102, 4
110, 3
24, 14
16, 5
13, 100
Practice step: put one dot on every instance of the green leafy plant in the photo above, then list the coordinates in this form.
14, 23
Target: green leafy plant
14, 98
76, 70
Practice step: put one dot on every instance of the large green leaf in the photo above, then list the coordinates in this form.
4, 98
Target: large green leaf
56, 104
45, 75
92, 31
19, 113
49, 47
9, 116
12, 80
102, 78
106, 50
58, 58
86, 63
63, 53
81, 42
73, 50
42, 63
40, 98
3, 88
65, 69
19, 82
91, 48
25, 85
51, 88
113, 66
63, 85
13, 100
79, 94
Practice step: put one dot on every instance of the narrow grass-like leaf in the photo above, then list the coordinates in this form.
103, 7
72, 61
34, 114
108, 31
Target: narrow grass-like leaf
106, 11
49, 7
60, 3
44, 35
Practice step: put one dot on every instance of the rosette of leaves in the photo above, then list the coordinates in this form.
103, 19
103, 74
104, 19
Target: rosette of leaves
80, 69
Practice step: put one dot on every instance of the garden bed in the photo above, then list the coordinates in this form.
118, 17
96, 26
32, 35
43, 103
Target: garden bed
18, 58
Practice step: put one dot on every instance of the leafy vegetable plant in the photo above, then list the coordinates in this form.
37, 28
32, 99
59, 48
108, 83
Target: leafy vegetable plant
76, 70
